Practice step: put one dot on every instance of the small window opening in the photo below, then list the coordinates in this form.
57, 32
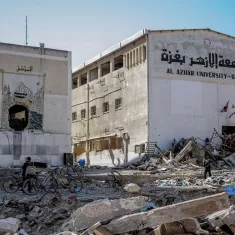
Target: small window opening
75, 83
74, 116
144, 53
127, 61
118, 103
18, 117
83, 114
83, 79
94, 74
105, 107
93, 110
105, 68
137, 55
118, 62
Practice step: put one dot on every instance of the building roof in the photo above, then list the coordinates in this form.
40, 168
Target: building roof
133, 38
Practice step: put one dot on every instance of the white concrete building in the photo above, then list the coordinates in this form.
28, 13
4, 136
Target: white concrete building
153, 87
35, 104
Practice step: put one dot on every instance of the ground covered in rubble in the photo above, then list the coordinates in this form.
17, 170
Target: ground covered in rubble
49, 215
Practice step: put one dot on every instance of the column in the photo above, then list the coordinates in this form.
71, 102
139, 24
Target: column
111, 65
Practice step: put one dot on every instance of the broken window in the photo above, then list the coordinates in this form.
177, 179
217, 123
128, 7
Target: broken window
74, 116
92, 145
75, 83
105, 68
118, 62
93, 110
18, 117
118, 103
83, 113
94, 74
105, 107
83, 79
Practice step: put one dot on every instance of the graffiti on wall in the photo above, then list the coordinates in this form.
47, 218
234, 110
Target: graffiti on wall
22, 102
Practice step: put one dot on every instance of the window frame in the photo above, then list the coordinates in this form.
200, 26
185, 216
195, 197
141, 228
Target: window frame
92, 110
74, 116
103, 107
83, 111
119, 103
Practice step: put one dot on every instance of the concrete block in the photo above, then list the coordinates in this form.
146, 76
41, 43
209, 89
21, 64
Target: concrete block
103, 210
132, 188
223, 217
10, 225
176, 212
188, 148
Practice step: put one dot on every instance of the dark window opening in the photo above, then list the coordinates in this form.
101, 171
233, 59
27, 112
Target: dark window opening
105, 68
75, 83
74, 116
228, 130
93, 110
18, 117
83, 79
105, 107
118, 62
118, 103
83, 114
94, 74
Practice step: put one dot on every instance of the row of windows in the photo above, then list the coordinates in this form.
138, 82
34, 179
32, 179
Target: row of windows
105, 107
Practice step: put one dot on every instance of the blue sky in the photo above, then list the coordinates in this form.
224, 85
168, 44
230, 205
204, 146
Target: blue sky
87, 27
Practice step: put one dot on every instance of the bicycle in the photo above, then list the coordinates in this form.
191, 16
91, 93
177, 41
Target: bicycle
55, 180
33, 184
70, 169
13, 183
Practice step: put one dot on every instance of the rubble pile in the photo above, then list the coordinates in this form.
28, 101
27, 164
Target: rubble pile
220, 149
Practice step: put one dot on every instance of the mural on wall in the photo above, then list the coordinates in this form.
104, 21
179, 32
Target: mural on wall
22, 102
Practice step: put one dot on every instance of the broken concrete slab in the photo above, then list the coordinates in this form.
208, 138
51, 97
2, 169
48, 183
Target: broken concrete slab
103, 210
167, 214
187, 149
223, 217
132, 188
189, 225
10, 225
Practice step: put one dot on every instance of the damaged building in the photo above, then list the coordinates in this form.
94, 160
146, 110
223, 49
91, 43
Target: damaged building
35, 87
155, 86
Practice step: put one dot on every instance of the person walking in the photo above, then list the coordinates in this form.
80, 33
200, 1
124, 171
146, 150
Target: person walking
207, 168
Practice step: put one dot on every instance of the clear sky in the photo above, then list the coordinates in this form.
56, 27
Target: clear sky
87, 27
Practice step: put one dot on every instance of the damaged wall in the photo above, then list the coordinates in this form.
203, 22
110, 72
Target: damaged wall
130, 84
35, 83
186, 96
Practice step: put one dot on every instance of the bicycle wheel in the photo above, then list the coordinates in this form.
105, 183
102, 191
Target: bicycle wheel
11, 184
64, 170
75, 186
50, 184
31, 186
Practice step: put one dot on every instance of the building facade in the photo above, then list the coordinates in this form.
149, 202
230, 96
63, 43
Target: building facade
173, 84
35, 104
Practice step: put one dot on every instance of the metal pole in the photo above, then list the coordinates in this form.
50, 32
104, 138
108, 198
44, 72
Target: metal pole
26, 32
87, 127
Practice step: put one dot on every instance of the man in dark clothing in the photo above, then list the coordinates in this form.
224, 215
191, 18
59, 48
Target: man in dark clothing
207, 166
24, 167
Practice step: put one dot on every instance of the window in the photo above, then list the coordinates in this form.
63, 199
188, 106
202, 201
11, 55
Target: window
83, 113
94, 74
105, 107
93, 110
105, 68
74, 116
75, 83
83, 79
118, 103
118, 62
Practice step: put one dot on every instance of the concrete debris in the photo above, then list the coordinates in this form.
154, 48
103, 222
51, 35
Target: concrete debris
180, 211
132, 188
10, 225
223, 218
103, 210
186, 150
